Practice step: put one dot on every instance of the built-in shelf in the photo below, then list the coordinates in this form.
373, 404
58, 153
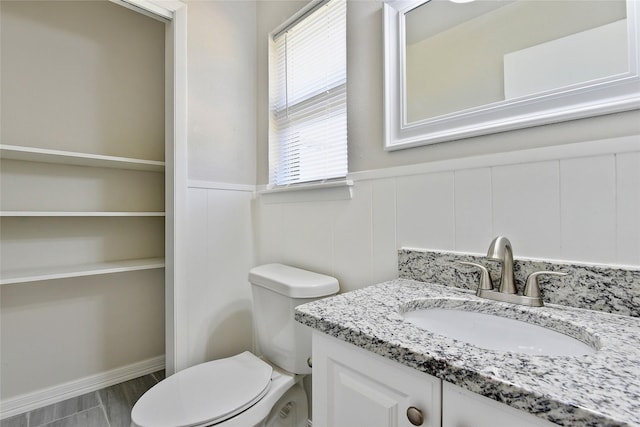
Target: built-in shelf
33, 275
75, 214
44, 155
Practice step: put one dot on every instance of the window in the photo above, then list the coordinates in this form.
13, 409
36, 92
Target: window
308, 97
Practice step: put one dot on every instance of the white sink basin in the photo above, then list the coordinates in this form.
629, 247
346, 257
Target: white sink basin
497, 333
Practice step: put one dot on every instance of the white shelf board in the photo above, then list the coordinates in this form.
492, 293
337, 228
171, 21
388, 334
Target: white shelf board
44, 155
33, 275
75, 214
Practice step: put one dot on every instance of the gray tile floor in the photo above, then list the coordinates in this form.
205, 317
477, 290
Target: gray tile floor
109, 407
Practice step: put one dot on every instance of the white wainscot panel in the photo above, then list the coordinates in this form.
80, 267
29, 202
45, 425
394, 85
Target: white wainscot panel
425, 211
383, 230
308, 235
220, 256
352, 239
269, 228
197, 237
526, 208
473, 210
226, 325
197, 271
588, 209
628, 208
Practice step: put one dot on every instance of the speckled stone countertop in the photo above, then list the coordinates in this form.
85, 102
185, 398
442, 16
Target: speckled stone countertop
600, 389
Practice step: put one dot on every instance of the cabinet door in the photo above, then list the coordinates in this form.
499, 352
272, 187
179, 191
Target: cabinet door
355, 388
462, 408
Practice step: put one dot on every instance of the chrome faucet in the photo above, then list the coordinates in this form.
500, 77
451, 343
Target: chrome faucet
501, 250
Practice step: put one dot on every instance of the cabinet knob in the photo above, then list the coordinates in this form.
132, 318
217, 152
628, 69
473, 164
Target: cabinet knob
309, 362
415, 416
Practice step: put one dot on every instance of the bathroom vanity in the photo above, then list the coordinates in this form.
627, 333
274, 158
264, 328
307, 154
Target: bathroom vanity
372, 367
355, 387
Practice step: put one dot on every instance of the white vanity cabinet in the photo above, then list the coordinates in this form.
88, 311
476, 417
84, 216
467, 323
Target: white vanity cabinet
462, 408
356, 388
353, 387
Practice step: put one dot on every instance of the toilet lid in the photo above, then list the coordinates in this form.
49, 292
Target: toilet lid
207, 394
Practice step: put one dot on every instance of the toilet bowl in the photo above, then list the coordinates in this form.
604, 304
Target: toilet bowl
246, 390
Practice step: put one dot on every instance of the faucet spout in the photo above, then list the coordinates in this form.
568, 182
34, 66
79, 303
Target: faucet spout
501, 250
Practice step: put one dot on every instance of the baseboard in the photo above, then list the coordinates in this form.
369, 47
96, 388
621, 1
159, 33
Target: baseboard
40, 398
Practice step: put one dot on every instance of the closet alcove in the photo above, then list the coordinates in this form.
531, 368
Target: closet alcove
83, 196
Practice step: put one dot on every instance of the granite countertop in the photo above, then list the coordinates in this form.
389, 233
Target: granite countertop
599, 389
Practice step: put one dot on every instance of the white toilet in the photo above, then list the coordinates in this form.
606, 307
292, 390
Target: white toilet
245, 390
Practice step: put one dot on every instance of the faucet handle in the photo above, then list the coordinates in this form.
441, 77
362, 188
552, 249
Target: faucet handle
485, 278
532, 288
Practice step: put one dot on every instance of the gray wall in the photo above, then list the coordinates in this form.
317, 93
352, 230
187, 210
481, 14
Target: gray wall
221, 91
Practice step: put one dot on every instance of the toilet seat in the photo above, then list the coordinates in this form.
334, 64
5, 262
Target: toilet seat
205, 394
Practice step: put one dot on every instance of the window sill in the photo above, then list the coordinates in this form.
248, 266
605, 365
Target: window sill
321, 191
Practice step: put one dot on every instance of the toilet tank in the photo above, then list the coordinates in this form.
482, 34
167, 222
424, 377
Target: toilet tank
277, 289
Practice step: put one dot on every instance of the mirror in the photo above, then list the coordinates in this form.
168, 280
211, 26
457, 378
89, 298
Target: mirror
455, 70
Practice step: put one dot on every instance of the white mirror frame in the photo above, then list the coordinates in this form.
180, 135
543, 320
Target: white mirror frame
617, 93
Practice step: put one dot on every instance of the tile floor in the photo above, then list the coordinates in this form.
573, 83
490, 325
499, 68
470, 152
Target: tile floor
109, 407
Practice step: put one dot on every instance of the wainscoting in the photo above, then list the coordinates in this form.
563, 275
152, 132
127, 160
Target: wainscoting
576, 203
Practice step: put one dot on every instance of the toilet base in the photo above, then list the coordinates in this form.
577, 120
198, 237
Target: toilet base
291, 410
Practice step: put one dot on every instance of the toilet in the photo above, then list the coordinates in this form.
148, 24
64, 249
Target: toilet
246, 390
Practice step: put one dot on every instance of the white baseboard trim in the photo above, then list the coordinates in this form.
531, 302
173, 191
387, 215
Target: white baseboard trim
47, 396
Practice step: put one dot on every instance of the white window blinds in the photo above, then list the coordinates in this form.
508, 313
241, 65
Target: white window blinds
308, 97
